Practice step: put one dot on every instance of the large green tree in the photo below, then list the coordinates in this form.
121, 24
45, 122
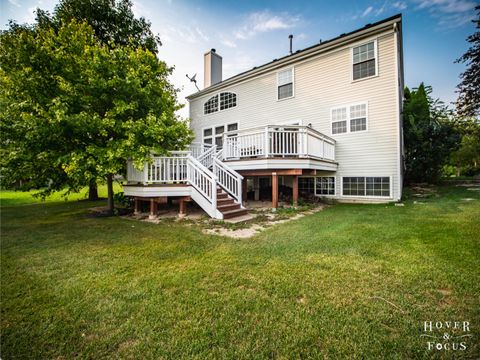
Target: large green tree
466, 159
429, 135
468, 103
74, 108
113, 22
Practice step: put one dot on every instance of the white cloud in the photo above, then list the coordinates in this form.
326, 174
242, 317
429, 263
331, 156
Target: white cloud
449, 13
265, 21
228, 43
14, 3
367, 11
201, 34
29, 17
399, 5
447, 6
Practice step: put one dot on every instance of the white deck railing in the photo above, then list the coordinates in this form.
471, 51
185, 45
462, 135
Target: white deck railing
278, 141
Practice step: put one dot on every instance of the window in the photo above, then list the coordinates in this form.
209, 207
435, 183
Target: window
207, 136
306, 185
215, 135
232, 127
354, 186
349, 118
358, 117
378, 186
211, 105
227, 100
339, 120
366, 186
285, 84
219, 136
325, 185
364, 61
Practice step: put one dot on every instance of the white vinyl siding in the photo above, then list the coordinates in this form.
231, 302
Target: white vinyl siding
321, 84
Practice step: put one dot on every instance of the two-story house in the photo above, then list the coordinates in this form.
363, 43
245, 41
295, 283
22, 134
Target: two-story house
325, 120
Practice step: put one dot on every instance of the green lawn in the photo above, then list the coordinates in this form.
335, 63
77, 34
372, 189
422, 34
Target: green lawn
11, 197
350, 281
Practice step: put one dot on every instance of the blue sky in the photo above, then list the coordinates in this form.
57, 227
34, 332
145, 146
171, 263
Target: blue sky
251, 33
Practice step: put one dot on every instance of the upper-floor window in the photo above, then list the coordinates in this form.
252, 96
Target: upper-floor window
364, 60
214, 135
349, 118
285, 84
211, 105
227, 101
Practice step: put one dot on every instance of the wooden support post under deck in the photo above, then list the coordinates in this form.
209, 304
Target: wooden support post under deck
183, 207
295, 190
153, 208
274, 191
256, 188
137, 206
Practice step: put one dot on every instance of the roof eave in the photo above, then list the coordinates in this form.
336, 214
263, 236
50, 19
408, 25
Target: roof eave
308, 52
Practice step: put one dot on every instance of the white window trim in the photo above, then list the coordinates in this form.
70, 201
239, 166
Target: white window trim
208, 137
218, 94
293, 82
367, 196
349, 118
375, 51
225, 130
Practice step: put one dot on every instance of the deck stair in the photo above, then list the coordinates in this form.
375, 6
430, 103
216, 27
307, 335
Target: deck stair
214, 186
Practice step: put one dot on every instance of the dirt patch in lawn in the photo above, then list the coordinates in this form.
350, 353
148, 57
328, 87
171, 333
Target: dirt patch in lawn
258, 219
262, 220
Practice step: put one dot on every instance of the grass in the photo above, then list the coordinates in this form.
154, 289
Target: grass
12, 197
352, 281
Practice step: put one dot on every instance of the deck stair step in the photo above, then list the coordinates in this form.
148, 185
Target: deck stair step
234, 213
228, 206
225, 201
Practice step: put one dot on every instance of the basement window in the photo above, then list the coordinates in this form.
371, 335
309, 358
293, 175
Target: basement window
325, 185
366, 186
364, 60
285, 84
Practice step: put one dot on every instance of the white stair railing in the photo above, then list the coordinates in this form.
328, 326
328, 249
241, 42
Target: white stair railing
205, 183
206, 158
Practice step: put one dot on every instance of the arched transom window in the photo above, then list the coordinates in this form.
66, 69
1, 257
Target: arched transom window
222, 101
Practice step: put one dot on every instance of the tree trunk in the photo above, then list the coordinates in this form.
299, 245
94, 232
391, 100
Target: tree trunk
92, 190
110, 193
